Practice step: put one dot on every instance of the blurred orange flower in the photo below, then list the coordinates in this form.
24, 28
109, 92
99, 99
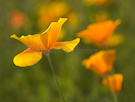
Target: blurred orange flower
41, 44
113, 82
98, 2
48, 12
101, 62
73, 19
112, 41
17, 19
99, 32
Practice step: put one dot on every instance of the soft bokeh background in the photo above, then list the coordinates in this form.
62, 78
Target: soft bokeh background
36, 83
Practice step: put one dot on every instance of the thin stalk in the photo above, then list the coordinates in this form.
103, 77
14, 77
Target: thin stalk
114, 96
104, 45
112, 92
55, 77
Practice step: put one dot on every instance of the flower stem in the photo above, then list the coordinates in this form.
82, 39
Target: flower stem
114, 96
104, 45
112, 92
54, 74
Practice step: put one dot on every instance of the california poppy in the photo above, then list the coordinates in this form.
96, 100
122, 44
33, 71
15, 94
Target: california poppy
101, 62
41, 44
99, 32
113, 82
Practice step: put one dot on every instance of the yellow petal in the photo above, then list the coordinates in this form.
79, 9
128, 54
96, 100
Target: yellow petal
32, 41
53, 31
57, 44
114, 40
68, 46
44, 39
113, 82
27, 58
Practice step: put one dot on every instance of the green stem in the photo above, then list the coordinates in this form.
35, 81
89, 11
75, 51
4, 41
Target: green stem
55, 77
114, 96
104, 45
112, 92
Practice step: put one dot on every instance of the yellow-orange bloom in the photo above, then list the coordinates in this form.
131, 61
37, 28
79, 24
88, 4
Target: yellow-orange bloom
101, 62
98, 2
48, 12
41, 44
113, 82
99, 32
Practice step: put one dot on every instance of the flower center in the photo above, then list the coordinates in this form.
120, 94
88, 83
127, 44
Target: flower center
45, 52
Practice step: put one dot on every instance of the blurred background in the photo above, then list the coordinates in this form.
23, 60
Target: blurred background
36, 83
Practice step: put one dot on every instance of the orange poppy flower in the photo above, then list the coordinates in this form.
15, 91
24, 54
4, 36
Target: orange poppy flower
41, 44
101, 62
113, 82
99, 32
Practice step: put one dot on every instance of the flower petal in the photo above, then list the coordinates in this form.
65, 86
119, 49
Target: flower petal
101, 62
100, 31
113, 82
27, 58
109, 57
44, 39
57, 44
112, 27
114, 40
84, 34
32, 41
53, 31
68, 46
